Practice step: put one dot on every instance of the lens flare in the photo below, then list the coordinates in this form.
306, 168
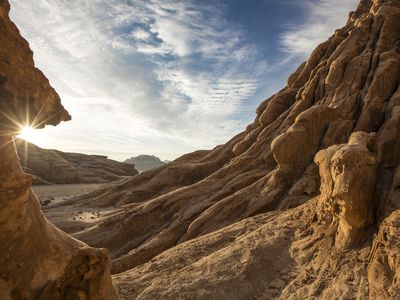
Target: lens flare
29, 134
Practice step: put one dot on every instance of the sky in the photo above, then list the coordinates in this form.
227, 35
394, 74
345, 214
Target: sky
167, 77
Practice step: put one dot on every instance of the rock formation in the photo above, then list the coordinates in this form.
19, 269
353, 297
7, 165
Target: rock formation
145, 162
348, 179
304, 204
290, 207
52, 166
37, 261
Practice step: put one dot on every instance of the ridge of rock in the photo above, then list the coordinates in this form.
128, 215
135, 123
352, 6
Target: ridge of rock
53, 166
286, 209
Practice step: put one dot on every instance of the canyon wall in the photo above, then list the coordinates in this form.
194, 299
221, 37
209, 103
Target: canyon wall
37, 261
303, 204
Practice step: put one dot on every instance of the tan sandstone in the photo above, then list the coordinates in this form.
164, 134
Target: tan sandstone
38, 260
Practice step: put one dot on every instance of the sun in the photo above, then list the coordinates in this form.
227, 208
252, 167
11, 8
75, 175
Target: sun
29, 134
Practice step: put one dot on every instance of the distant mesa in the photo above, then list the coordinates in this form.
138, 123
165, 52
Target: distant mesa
57, 167
146, 162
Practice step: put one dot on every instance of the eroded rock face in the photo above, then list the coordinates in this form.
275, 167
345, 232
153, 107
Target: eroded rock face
37, 261
384, 264
302, 139
261, 200
350, 84
348, 179
26, 95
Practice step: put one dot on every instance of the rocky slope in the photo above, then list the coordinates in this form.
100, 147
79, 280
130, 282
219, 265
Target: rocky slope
52, 166
304, 204
145, 162
37, 261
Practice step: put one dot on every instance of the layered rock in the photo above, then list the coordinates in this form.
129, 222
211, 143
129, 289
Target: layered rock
53, 166
308, 225
287, 209
37, 261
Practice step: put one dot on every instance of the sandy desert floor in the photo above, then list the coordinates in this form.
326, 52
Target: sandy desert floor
75, 218
57, 193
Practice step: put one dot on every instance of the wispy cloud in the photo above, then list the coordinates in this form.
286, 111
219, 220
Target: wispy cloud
323, 17
155, 76
205, 65
177, 69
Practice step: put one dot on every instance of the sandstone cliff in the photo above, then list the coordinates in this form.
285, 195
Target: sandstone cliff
37, 261
304, 204
52, 166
